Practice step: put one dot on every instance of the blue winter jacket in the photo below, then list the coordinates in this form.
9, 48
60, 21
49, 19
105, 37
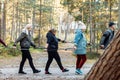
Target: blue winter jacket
80, 42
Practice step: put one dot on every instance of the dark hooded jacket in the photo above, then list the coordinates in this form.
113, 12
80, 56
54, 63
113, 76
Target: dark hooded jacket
106, 38
52, 42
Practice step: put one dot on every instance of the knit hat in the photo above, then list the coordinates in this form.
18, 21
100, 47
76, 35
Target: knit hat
111, 24
81, 25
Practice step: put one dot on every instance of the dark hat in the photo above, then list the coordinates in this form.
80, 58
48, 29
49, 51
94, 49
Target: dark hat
111, 24
52, 30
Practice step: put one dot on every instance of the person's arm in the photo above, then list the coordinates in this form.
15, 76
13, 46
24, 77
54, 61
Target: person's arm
3, 43
22, 35
49, 38
77, 38
32, 43
63, 41
104, 37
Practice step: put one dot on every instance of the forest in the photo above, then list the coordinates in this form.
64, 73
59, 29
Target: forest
59, 15
46, 14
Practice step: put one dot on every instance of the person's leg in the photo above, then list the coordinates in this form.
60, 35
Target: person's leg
78, 61
31, 62
50, 59
58, 60
22, 61
77, 64
81, 63
83, 60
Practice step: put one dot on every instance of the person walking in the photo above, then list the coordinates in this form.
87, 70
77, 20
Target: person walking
107, 36
25, 43
1, 41
52, 48
80, 46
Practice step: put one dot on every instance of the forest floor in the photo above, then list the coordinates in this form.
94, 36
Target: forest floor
9, 67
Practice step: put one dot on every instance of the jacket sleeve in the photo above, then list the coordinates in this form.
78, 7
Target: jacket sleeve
22, 35
104, 37
58, 39
63, 41
2, 43
78, 36
32, 43
49, 38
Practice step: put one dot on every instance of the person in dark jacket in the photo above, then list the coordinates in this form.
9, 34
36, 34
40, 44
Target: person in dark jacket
52, 48
25, 43
107, 36
3, 43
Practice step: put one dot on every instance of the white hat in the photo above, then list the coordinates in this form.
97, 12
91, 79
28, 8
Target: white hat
28, 25
81, 25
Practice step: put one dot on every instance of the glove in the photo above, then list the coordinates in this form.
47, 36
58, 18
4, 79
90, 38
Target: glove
34, 46
63, 41
14, 44
101, 46
90, 44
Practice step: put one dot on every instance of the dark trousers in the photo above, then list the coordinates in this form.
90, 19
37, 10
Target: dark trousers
26, 55
80, 61
53, 55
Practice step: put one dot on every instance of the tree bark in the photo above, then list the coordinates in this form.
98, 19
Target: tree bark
3, 21
0, 19
108, 66
119, 16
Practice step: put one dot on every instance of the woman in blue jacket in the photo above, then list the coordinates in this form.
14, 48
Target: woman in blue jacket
80, 47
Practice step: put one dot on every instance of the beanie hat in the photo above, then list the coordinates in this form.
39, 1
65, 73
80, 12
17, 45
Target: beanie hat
111, 24
81, 25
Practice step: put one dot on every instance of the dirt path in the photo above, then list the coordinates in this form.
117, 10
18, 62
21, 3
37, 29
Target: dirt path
9, 68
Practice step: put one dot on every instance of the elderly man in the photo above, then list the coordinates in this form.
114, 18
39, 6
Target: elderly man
107, 36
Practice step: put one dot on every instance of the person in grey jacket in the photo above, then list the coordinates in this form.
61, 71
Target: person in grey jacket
107, 36
25, 43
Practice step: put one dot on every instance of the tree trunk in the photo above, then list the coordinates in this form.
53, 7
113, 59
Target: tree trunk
16, 21
0, 19
108, 66
13, 24
119, 16
3, 21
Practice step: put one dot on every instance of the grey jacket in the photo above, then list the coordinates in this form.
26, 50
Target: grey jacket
25, 41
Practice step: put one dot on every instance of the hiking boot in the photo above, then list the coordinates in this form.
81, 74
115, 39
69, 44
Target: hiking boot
22, 72
36, 71
48, 72
65, 70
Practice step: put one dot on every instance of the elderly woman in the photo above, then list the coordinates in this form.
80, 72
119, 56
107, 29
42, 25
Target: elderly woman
52, 48
25, 43
80, 47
